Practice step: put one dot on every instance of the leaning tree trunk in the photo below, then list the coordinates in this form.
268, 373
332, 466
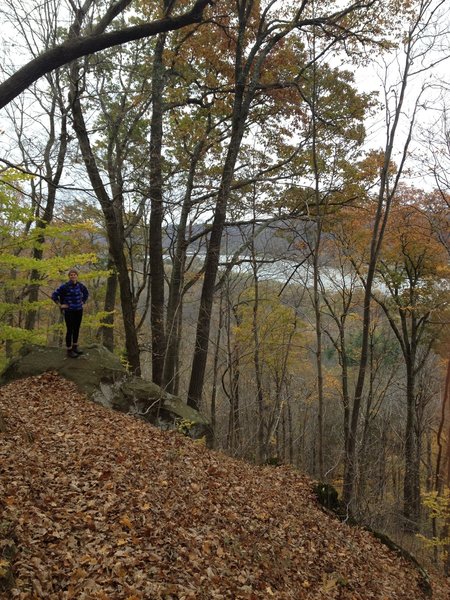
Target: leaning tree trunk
198, 369
211, 266
246, 74
112, 212
114, 228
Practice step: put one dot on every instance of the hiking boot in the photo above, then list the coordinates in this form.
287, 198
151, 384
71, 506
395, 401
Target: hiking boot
78, 352
72, 354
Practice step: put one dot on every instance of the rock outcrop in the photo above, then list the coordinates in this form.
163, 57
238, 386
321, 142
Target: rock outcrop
101, 375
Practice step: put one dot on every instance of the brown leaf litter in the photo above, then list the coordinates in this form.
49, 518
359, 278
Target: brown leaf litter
105, 507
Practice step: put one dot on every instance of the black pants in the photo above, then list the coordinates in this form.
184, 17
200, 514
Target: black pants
73, 322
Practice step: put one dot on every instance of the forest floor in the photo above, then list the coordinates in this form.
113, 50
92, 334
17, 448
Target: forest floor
102, 506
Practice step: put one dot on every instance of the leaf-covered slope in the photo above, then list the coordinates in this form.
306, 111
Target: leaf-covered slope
107, 507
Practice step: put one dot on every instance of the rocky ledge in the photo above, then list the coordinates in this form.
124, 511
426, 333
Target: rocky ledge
100, 374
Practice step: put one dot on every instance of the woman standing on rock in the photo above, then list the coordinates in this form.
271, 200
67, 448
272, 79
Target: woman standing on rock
71, 297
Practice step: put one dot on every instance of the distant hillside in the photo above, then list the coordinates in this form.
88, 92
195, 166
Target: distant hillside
98, 505
273, 239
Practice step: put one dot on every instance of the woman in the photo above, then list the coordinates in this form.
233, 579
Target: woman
71, 297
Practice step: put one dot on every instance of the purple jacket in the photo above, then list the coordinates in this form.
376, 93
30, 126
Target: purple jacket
73, 294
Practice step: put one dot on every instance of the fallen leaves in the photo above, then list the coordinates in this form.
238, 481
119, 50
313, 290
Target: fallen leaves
106, 507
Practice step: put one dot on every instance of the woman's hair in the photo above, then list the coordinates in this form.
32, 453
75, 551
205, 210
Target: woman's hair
73, 271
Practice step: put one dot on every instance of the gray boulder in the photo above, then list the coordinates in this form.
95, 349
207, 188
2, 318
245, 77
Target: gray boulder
100, 374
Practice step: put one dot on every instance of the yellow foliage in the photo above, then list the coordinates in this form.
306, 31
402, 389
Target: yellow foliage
437, 504
272, 325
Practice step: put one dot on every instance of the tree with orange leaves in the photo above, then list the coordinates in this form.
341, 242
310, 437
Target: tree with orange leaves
411, 273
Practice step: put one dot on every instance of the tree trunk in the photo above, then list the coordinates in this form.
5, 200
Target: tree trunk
411, 489
211, 267
213, 407
234, 370
245, 87
114, 228
261, 455
318, 355
156, 216
174, 305
363, 458
386, 193
290, 438
446, 529
107, 329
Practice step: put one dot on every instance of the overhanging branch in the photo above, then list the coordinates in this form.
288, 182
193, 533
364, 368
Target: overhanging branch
76, 48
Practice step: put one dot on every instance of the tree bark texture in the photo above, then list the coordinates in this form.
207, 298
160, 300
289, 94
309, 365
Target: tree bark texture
156, 216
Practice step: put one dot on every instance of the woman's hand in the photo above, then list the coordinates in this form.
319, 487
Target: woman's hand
63, 306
